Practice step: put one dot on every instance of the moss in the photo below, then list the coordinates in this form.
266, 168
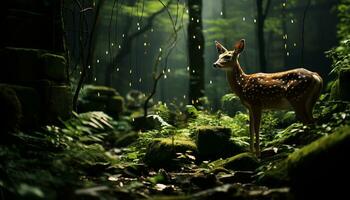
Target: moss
240, 162
231, 104
335, 92
191, 112
163, 152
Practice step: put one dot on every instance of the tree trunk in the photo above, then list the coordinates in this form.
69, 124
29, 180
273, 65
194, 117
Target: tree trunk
260, 34
195, 51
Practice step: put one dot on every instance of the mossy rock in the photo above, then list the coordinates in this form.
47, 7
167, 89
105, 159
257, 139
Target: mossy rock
54, 67
31, 105
214, 142
10, 109
24, 65
241, 162
319, 169
59, 103
162, 153
115, 105
96, 92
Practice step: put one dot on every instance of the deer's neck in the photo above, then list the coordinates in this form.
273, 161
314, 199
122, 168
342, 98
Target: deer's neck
236, 78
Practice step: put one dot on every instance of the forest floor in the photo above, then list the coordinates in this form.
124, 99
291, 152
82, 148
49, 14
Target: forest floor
182, 153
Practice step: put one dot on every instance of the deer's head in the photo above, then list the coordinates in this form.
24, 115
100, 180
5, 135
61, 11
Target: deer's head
228, 58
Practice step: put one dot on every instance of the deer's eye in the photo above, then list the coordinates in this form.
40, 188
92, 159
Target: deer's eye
227, 57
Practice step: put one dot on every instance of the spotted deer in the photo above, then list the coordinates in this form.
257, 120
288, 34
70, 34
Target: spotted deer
298, 89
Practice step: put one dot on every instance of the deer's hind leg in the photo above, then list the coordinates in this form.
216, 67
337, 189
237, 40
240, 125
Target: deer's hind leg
302, 113
254, 126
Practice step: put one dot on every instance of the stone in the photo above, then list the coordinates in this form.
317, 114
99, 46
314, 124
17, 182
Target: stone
10, 110
150, 122
135, 99
240, 162
101, 98
59, 103
27, 65
162, 153
30, 103
214, 142
55, 68
115, 105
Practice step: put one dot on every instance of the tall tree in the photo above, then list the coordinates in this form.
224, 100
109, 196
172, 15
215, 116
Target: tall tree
261, 16
195, 51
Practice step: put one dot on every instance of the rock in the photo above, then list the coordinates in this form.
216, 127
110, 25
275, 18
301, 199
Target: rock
26, 65
162, 153
98, 92
231, 104
150, 122
59, 103
101, 98
240, 162
54, 67
135, 99
10, 109
115, 105
30, 103
318, 170
214, 142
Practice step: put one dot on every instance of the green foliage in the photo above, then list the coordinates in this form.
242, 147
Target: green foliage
340, 56
42, 164
344, 19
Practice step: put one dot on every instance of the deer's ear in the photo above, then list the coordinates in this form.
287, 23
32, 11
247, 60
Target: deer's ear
239, 46
221, 49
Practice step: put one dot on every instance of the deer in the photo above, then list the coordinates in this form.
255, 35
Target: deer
297, 89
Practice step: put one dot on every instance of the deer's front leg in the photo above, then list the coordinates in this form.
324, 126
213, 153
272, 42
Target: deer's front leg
251, 130
254, 126
257, 119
